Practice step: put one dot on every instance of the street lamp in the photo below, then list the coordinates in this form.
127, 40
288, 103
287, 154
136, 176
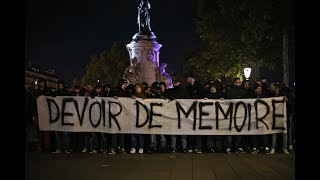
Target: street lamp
247, 72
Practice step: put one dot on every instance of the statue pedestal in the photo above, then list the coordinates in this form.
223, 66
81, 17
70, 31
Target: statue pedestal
144, 61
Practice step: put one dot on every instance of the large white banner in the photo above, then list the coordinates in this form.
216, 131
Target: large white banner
158, 116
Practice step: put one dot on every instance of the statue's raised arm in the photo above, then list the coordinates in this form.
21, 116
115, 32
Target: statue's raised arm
144, 16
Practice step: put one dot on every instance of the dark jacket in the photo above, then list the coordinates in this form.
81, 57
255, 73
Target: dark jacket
216, 95
121, 93
177, 92
195, 91
235, 93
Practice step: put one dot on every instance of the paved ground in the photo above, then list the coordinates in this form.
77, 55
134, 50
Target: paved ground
78, 166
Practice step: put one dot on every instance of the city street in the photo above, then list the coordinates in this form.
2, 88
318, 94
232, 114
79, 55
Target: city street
189, 166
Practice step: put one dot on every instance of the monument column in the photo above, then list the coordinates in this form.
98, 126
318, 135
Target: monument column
144, 53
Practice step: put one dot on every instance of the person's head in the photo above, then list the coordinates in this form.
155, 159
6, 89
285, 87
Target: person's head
191, 79
42, 83
212, 88
122, 84
155, 86
107, 87
277, 88
139, 88
246, 84
145, 85
76, 89
89, 88
236, 82
98, 88
163, 86
60, 85
258, 82
263, 80
258, 89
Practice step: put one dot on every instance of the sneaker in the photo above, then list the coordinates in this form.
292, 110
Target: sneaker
112, 151
211, 150
190, 150
84, 150
228, 151
285, 151
185, 150
254, 151
140, 151
173, 150
122, 151
198, 151
272, 151
93, 152
290, 148
240, 150
266, 149
67, 152
56, 151
132, 151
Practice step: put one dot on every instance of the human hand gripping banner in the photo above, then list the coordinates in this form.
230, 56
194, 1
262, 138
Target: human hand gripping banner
158, 116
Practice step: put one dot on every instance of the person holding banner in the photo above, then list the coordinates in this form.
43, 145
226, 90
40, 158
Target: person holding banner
90, 139
120, 91
254, 138
235, 92
195, 91
212, 94
177, 92
277, 93
139, 93
155, 93
103, 136
63, 140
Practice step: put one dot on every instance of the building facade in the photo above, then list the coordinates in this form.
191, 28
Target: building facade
34, 73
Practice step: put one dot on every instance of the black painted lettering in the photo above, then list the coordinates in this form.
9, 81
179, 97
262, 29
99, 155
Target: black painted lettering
202, 113
249, 112
152, 113
235, 115
90, 114
192, 108
83, 110
103, 104
256, 107
51, 101
274, 115
225, 115
113, 116
138, 113
63, 113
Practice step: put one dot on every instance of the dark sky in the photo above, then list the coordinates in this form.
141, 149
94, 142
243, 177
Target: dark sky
62, 34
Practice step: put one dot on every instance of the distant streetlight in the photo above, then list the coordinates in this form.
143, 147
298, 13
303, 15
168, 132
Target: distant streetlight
98, 81
247, 72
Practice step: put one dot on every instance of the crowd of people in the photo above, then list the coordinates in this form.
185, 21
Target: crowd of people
96, 142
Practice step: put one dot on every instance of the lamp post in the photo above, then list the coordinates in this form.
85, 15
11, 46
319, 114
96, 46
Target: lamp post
247, 72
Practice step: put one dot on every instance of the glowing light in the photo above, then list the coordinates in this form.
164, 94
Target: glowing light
247, 72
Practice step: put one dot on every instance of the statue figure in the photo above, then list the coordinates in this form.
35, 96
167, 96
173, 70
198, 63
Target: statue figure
133, 72
144, 16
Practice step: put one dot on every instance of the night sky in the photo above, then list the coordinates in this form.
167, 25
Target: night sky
62, 34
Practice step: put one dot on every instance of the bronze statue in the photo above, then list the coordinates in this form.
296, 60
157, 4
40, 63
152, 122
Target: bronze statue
144, 16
